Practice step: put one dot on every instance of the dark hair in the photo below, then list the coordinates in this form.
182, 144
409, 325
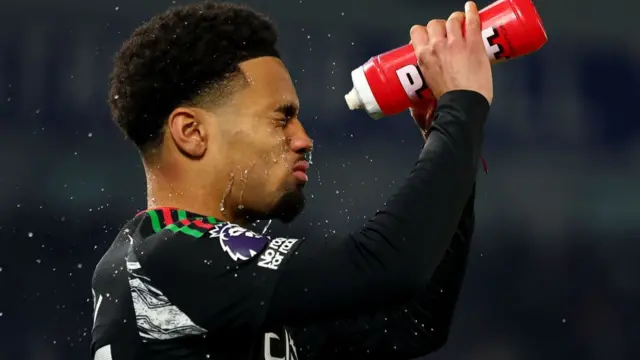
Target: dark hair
183, 57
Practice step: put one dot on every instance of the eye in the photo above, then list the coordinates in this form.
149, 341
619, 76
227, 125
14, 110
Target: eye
282, 121
285, 113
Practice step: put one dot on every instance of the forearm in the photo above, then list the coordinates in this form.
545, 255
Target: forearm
435, 306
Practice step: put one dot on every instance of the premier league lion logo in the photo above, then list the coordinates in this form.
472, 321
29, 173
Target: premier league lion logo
238, 242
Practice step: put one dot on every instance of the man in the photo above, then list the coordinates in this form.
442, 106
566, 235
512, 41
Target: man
202, 93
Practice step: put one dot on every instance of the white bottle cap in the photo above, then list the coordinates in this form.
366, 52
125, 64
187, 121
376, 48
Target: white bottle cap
361, 96
353, 100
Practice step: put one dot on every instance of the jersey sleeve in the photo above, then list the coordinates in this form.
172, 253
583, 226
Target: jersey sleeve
234, 279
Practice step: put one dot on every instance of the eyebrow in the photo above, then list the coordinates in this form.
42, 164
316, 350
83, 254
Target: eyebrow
288, 110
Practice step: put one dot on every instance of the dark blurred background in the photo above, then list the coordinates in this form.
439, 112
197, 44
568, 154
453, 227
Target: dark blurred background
553, 272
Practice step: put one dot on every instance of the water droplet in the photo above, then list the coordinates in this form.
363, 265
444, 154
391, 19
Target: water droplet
226, 193
266, 227
117, 8
30, 234
90, 135
79, 266
38, 261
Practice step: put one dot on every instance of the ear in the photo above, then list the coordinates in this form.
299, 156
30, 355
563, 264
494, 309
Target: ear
188, 131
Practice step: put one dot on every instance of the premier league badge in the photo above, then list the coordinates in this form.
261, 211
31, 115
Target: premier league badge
238, 242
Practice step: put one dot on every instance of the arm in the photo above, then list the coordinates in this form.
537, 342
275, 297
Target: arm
417, 328
294, 282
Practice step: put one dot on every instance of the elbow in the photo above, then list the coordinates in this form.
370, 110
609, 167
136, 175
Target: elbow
432, 343
405, 282
428, 343
389, 269
438, 341
411, 279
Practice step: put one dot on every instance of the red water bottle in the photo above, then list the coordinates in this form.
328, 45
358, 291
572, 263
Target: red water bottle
390, 83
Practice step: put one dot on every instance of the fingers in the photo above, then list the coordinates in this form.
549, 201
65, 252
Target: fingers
436, 30
454, 25
419, 36
472, 20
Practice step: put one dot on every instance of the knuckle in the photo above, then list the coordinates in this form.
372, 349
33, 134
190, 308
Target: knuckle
415, 29
436, 23
454, 17
424, 54
438, 45
475, 22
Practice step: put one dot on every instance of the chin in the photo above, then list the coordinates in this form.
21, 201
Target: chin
289, 206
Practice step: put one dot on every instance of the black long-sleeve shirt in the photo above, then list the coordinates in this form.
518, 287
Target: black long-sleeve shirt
179, 285
409, 330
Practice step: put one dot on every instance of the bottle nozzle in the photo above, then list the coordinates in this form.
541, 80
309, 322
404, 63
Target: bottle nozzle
353, 100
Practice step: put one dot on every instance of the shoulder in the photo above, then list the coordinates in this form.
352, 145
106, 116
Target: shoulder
238, 242
241, 243
174, 231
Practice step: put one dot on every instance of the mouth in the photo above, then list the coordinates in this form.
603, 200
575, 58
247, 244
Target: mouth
300, 169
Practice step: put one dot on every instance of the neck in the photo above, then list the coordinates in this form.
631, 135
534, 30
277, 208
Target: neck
169, 187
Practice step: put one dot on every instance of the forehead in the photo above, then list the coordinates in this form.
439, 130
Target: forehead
270, 84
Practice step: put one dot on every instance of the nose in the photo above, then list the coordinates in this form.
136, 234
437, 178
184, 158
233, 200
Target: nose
300, 142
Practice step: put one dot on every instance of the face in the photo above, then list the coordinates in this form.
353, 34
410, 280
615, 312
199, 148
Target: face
263, 144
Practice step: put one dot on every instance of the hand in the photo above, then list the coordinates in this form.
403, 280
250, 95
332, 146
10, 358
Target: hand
451, 59
423, 116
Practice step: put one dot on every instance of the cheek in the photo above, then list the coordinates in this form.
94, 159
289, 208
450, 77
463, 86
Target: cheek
268, 158
275, 148
265, 152
265, 182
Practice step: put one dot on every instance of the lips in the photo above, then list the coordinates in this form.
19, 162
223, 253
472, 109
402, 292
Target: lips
302, 165
300, 170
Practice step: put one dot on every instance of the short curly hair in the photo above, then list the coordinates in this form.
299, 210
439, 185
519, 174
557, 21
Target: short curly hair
185, 56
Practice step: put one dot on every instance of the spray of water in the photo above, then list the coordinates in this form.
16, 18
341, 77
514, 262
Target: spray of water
244, 179
226, 193
266, 227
